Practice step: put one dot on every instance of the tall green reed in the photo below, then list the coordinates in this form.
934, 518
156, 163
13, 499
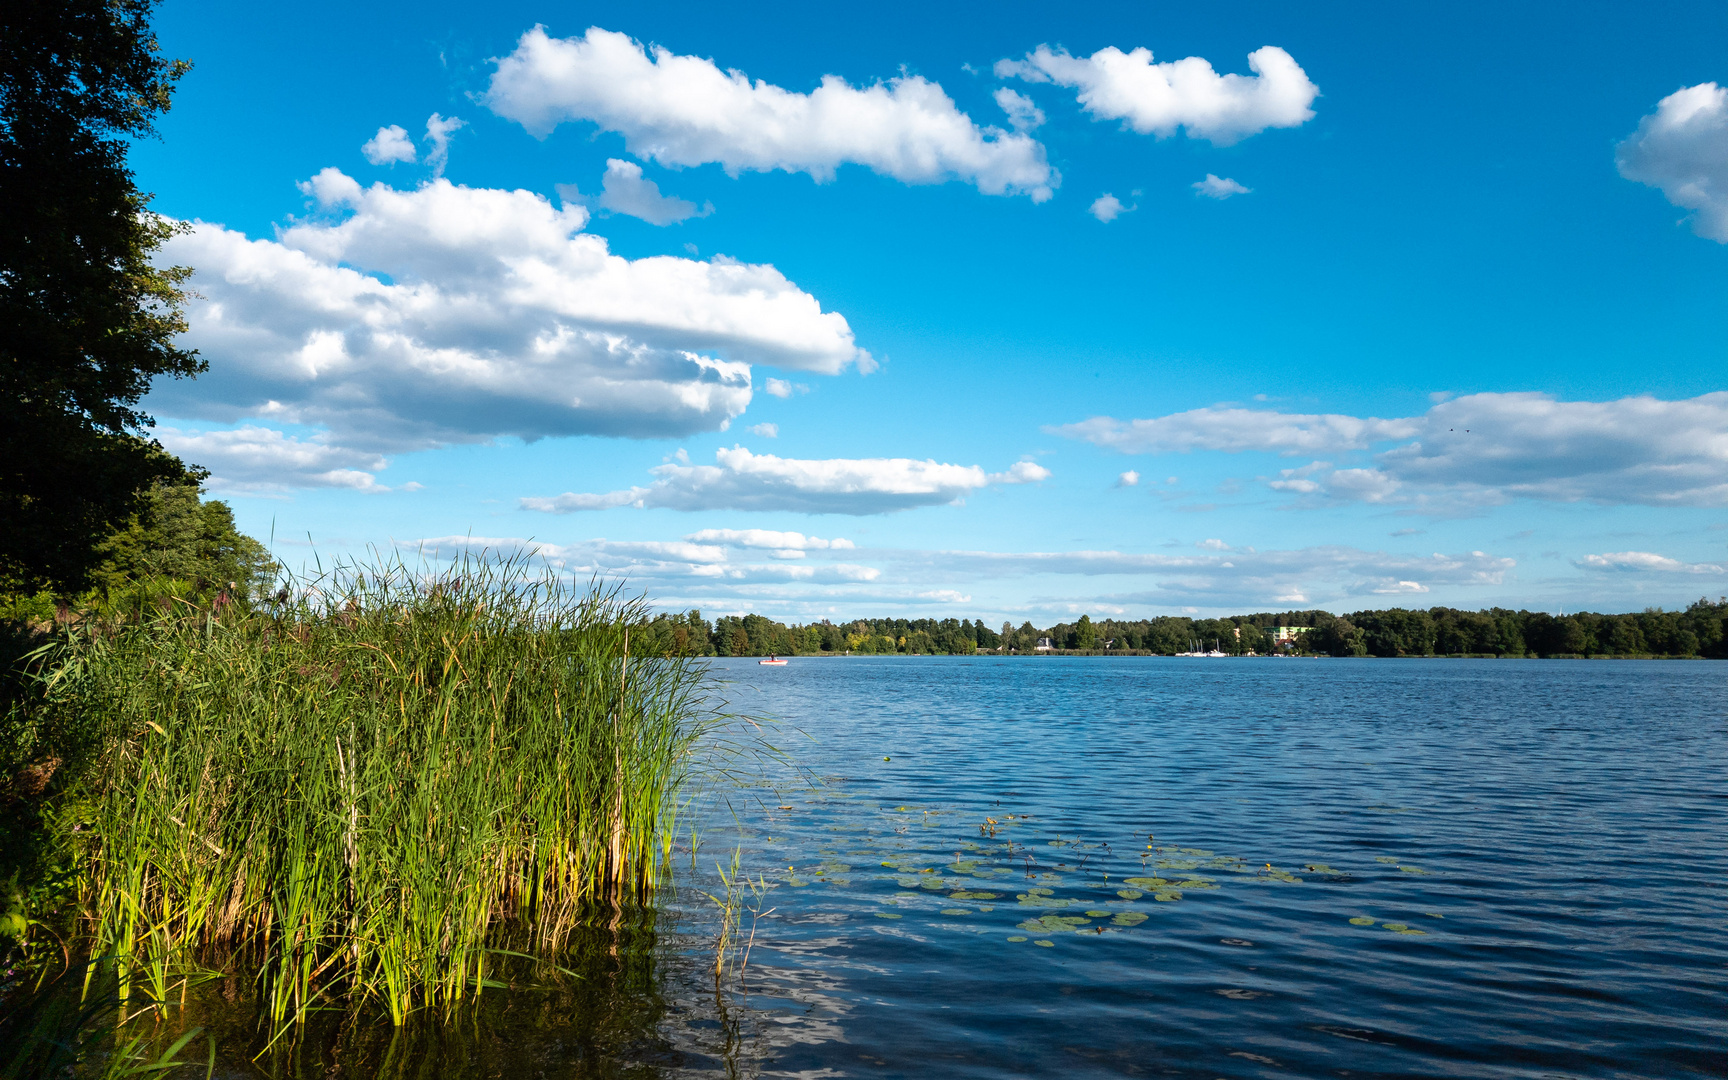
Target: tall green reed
378, 788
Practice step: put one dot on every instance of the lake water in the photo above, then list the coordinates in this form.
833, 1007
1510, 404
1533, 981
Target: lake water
1196, 868
1221, 868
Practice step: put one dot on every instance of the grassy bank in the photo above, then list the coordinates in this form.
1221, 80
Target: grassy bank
377, 791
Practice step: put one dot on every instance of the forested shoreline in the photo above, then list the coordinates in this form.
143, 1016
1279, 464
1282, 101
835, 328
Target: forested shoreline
1697, 631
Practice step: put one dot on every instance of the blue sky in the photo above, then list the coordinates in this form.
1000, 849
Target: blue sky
940, 313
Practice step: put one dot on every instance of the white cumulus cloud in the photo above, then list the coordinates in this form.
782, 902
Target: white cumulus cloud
1682, 149
438, 132
766, 430
1108, 208
1646, 562
1214, 187
684, 110
1158, 98
1470, 451
254, 460
407, 319
1128, 479
1235, 430
1023, 113
744, 481
626, 191
391, 144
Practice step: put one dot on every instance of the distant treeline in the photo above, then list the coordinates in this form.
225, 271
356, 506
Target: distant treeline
1698, 631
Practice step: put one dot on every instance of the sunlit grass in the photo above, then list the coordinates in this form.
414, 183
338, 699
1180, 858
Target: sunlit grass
377, 789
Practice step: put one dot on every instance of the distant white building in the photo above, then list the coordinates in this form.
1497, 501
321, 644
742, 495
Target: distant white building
1044, 645
1286, 635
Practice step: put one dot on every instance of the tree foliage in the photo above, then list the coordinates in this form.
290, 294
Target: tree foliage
86, 318
1700, 630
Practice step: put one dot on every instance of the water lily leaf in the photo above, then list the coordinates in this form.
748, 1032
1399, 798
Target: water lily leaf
1410, 930
1130, 894
1362, 920
1412, 869
1046, 944
1145, 882
1099, 914
1193, 851
1393, 926
1431, 915
1166, 896
955, 911
1017, 937
888, 915
1129, 918
1384, 859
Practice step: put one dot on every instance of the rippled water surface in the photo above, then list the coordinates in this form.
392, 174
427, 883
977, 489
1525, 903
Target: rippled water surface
1230, 868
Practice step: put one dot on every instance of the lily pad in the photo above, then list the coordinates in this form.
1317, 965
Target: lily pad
887, 915
956, 911
1046, 944
1412, 869
1166, 896
1018, 937
1129, 918
1099, 914
1385, 859
1362, 920
1393, 926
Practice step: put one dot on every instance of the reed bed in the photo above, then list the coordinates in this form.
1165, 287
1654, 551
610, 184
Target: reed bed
381, 788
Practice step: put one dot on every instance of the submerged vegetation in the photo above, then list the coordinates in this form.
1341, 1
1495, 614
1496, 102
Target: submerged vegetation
377, 789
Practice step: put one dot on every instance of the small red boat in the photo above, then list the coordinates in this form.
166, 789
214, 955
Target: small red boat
774, 660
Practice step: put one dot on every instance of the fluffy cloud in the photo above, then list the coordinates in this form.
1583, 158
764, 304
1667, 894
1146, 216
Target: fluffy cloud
1108, 208
252, 460
671, 566
626, 191
720, 570
1214, 187
1682, 148
438, 132
766, 430
1235, 430
406, 319
746, 481
1128, 479
1471, 451
1244, 576
391, 144
784, 545
1022, 112
1645, 562
684, 110
1156, 99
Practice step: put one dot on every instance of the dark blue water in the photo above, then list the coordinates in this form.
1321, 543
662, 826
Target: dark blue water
1242, 868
